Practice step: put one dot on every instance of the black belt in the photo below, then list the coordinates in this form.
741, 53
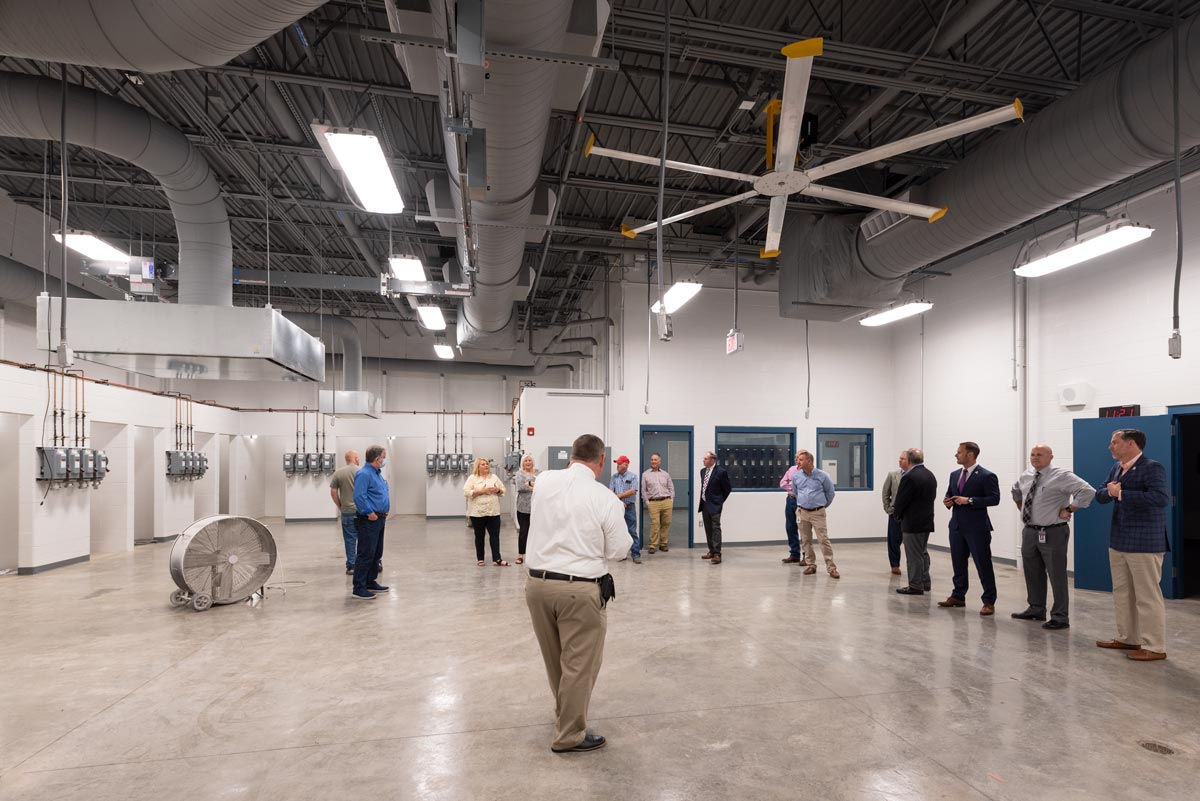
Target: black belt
1045, 528
546, 574
664, 498
814, 509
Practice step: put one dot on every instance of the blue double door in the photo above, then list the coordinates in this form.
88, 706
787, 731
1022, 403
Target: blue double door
1174, 440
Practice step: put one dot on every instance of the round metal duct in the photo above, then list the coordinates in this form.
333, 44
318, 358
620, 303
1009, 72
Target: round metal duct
221, 559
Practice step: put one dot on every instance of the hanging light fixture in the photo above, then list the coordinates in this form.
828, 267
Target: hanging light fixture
897, 313
356, 153
432, 317
406, 268
680, 293
91, 246
443, 350
1104, 239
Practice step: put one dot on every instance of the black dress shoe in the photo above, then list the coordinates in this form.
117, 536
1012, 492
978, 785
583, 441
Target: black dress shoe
1027, 616
1055, 625
910, 591
590, 743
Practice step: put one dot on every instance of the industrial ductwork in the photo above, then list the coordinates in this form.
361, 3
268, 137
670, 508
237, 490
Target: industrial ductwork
510, 103
29, 109
1114, 126
344, 332
140, 35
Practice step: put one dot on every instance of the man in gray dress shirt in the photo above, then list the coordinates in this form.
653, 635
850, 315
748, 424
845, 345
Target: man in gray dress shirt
1047, 496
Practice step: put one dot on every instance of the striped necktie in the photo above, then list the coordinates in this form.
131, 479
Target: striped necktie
1027, 507
704, 484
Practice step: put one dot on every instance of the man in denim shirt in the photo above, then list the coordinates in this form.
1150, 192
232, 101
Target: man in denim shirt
624, 483
814, 494
373, 503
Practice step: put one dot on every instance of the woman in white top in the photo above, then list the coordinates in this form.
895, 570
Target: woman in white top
483, 491
524, 483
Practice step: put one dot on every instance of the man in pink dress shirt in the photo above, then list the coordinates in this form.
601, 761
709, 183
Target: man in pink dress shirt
789, 515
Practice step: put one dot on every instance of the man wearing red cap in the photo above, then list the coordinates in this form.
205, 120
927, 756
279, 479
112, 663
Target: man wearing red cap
624, 483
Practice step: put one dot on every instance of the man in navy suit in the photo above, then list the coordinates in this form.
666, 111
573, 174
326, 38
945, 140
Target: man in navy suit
972, 490
1137, 488
714, 489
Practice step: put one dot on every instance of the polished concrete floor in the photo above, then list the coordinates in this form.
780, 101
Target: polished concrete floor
743, 681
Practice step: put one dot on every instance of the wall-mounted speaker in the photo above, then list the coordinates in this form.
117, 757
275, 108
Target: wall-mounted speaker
1075, 396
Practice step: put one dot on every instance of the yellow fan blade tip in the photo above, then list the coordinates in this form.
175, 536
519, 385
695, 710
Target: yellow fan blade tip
627, 231
1019, 107
767, 254
591, 142
937, 215
806, 48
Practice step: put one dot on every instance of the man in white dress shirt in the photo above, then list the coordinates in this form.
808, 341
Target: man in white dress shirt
576, 524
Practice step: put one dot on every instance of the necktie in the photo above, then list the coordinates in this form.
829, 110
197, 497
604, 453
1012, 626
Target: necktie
962, 480
1027, 507
704, 484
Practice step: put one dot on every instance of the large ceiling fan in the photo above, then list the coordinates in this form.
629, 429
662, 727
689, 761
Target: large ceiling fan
785, 179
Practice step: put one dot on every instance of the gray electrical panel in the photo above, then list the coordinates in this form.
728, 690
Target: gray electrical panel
468, 462
431, 463
289, 463
327, 462
559, 457
52, 464
72, 466
314, 463
189, 465
443, 463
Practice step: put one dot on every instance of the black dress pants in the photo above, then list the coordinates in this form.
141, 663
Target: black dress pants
490, 525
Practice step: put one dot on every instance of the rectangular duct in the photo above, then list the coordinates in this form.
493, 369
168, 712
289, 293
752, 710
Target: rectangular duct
346, 403
166, 340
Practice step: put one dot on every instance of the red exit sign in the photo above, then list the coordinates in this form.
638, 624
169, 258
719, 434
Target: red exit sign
832, 443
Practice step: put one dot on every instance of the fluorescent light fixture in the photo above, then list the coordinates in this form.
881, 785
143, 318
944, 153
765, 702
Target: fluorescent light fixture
747, 104
406, 268
356, 152
897, 313
1095, 243
90, 246
676, 296
432, 318
443, 350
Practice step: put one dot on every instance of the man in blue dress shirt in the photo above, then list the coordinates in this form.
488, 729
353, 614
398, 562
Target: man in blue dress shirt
814, 493
372, 503
624, 483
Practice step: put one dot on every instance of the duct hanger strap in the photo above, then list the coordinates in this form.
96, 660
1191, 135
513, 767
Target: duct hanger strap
544, 56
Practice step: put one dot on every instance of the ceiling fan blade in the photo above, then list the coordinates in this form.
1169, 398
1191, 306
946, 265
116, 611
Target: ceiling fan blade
1013, 111
774, 226
795, 92
930, 213
729, 201
592, 150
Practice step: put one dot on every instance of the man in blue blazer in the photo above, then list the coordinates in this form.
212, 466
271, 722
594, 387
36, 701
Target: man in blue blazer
1137, 544
714, 489
972, 490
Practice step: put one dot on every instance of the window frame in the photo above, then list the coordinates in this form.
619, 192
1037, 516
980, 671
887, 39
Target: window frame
870, 466
791, 432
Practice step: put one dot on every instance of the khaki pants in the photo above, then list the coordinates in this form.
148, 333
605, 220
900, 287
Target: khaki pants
815, 521
660, 521
1138, 598
570, 624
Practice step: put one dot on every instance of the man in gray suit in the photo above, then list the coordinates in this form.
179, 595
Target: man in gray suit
1046, 496
895, 538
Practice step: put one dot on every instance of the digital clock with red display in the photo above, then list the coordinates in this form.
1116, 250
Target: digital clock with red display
1133, 410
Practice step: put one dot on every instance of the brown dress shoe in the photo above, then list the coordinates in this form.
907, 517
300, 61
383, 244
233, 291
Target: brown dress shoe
1142, 655
987, 609
895, 571
716, 560
790, 561
664, 549
810, 570
707, 556
1124, 646
952, 601
834, 574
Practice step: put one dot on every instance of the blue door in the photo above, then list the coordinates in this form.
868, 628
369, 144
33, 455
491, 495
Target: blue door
1092, 463
674, 445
